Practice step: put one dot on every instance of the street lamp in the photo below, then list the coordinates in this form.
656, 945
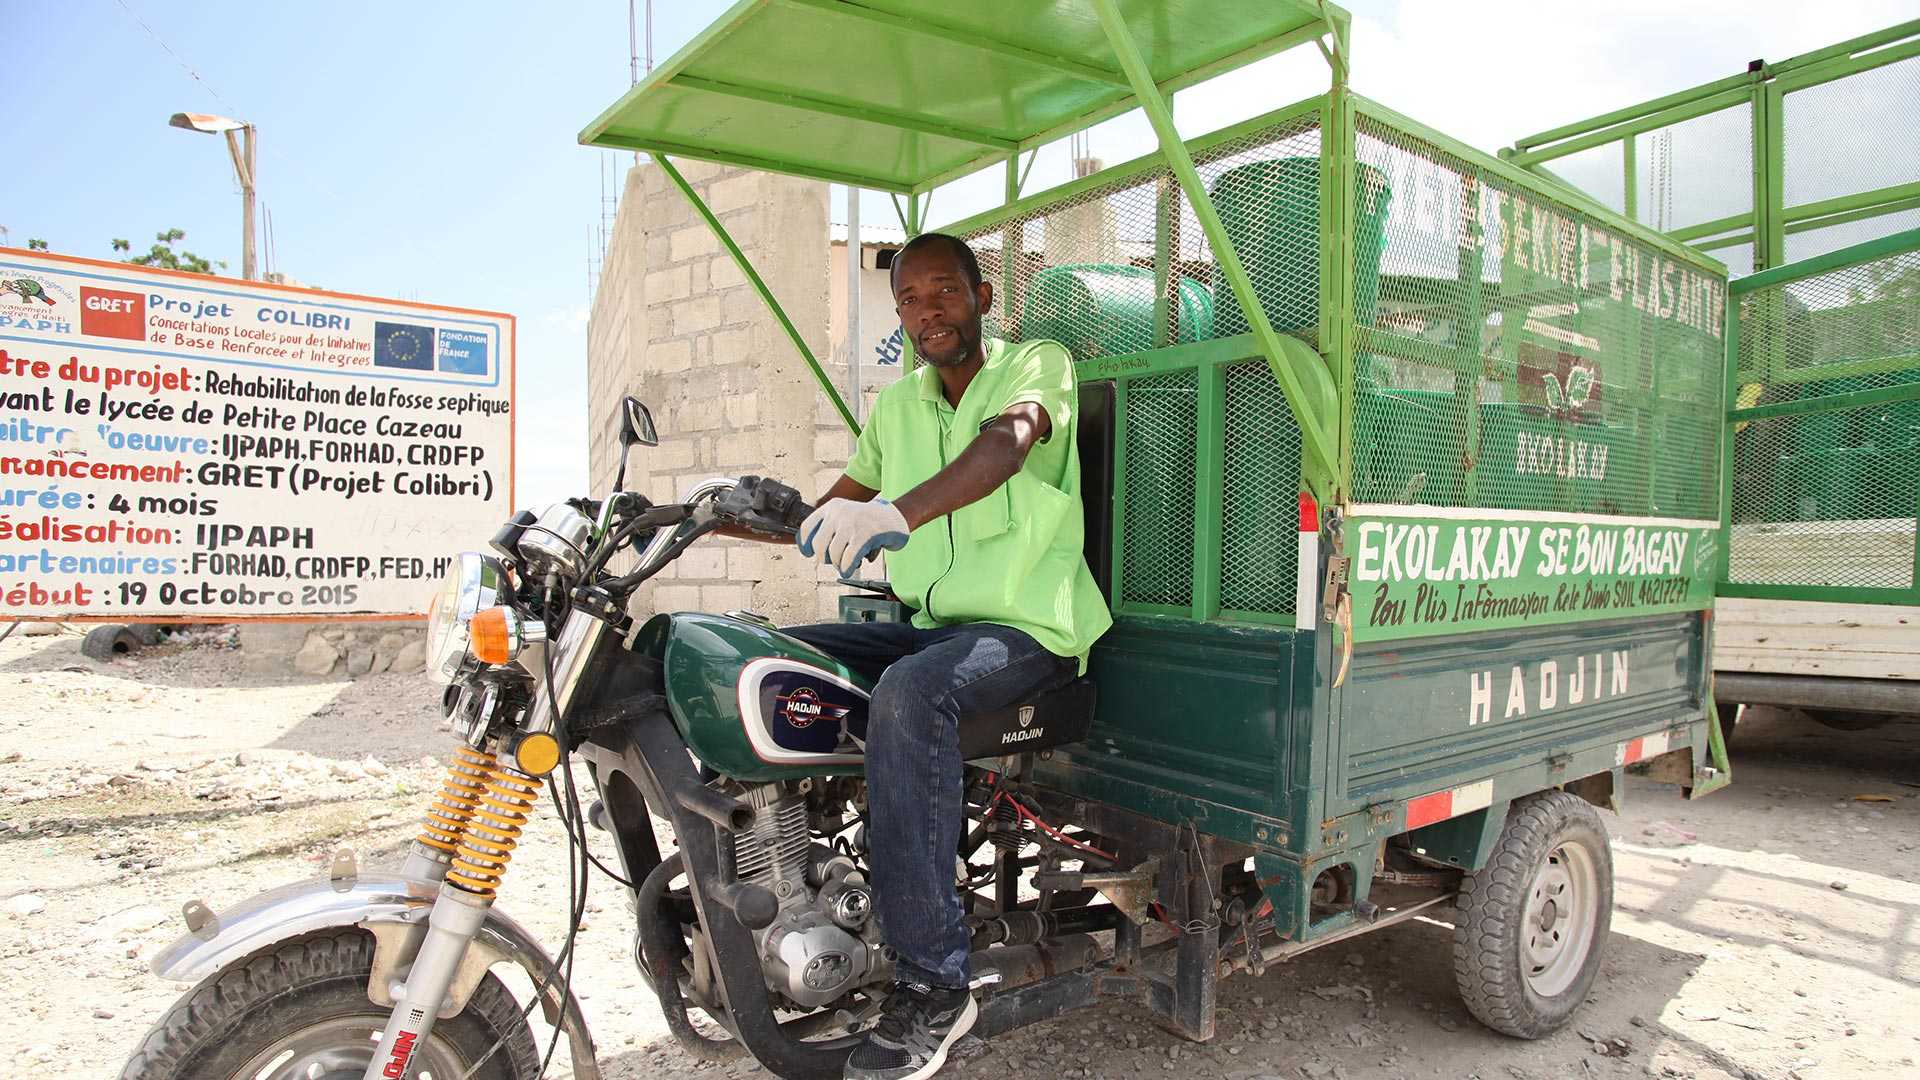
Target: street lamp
242, 167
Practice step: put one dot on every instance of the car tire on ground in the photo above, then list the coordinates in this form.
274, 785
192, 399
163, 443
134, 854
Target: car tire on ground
107, 642
1533, 921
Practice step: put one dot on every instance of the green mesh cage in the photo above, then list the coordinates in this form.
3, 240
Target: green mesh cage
1082, 270
1522, 355
1826, 419
1123, 268
1260, 471
1157, 490
1826, 138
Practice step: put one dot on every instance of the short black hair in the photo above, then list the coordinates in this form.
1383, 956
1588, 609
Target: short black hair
969, 265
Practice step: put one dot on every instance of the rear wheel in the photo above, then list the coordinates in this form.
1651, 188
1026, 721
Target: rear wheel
301, 1012
1533, 921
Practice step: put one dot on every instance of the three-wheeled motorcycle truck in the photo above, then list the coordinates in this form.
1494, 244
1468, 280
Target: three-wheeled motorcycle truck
1402, 482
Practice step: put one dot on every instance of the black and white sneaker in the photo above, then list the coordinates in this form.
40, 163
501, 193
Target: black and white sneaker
918, 1024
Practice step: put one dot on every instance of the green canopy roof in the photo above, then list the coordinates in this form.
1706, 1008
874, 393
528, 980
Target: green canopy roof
901, 95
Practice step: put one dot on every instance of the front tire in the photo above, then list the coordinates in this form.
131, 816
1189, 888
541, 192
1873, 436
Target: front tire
301, 1012
1533, 921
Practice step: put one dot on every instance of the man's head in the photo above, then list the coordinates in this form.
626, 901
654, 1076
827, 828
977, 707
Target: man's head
939, 295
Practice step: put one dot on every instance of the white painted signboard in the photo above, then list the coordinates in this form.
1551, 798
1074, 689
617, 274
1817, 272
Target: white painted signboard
177, 446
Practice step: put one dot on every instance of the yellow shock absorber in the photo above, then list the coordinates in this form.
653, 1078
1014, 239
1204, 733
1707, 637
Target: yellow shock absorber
486, 846
459, 794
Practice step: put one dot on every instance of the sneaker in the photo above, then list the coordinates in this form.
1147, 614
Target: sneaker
918, 1024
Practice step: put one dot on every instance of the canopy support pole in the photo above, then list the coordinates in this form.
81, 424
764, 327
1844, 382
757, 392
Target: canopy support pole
1315, 442
759, 287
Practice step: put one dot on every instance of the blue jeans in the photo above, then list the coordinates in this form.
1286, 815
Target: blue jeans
926, 681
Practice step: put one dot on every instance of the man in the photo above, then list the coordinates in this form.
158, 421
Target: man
968, 472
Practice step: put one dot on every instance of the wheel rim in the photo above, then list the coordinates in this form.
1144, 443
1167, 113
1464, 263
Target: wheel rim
1556, 930
340, 1050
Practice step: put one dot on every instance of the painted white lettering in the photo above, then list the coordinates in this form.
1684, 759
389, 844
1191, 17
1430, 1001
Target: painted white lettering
1482, 569
1367, 567
1480, 707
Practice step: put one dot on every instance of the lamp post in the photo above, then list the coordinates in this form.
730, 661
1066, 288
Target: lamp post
242, 167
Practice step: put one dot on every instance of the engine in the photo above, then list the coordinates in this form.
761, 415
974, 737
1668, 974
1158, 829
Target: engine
824, 942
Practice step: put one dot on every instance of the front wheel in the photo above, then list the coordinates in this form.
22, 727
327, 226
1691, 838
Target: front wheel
301, 1012
1532, 922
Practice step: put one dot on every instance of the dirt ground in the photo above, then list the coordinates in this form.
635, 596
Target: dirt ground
1771, 930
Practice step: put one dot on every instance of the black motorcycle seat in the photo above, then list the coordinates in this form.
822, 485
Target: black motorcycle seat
1048, 719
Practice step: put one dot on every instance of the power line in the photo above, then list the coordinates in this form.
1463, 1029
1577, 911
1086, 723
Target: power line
191, 73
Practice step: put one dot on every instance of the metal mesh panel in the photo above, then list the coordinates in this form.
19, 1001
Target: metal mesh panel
1156, 542
1696, 170
1598, 170
1852, 134
1259, 548
1807, 244
1082, 271
1828, 497
1520, 355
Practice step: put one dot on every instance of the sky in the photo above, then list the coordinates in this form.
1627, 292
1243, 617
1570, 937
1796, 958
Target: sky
427, 151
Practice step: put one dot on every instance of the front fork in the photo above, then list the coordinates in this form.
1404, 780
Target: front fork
468, 836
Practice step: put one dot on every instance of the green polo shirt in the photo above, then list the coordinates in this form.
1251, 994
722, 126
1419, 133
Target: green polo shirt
1016, 557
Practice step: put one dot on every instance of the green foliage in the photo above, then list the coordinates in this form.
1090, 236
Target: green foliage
164, 255
36, 245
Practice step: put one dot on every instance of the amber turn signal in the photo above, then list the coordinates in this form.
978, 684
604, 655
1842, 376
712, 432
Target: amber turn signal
537, 754
490, 636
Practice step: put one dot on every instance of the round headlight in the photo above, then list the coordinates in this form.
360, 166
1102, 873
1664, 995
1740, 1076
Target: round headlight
472, 583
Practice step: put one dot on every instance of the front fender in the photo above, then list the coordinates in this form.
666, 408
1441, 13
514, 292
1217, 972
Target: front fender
394, 910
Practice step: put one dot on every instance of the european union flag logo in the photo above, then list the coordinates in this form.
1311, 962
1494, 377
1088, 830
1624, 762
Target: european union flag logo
403, 345
463, 352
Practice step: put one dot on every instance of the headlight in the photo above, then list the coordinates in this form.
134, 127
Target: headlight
472, 583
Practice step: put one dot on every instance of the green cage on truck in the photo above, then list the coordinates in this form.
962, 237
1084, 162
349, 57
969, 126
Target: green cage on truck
1801, 174
1403, 469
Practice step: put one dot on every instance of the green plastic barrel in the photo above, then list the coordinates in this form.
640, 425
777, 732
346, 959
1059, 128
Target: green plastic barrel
1100, 309
1271, 213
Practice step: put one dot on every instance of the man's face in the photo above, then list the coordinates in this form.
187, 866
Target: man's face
939, 307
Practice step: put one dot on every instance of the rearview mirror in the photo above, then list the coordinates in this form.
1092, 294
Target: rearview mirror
636, 424
636, 429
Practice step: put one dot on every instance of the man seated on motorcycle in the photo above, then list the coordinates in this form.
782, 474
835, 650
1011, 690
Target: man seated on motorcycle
968, 473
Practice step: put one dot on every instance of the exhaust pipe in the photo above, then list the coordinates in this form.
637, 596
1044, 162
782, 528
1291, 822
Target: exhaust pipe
1019, 965
723, 810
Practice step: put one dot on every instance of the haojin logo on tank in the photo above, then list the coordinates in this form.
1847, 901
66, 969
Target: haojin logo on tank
802, 707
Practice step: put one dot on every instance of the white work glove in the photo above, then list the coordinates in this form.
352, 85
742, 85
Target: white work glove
846, 532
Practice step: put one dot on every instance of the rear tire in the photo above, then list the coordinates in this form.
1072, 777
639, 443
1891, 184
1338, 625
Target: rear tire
301, 1010
1532, 923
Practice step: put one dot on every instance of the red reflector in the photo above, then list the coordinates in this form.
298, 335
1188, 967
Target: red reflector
1428, 809
1309, 513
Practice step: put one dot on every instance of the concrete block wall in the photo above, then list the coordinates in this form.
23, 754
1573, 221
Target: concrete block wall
676, 324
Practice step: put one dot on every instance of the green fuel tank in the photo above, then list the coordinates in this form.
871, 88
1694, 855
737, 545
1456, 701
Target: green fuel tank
756, 704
